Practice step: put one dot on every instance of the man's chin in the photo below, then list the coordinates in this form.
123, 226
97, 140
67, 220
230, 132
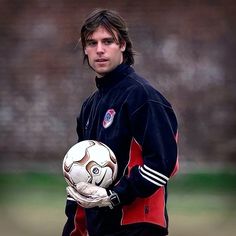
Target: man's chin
101, 73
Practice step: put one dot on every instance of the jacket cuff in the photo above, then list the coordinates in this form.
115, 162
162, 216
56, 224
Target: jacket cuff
114, 198
124, 192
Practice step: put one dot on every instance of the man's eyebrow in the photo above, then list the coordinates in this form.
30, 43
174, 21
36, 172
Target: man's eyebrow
109, 38
90, 40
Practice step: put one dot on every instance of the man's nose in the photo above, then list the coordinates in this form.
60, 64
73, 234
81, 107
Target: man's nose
100, 48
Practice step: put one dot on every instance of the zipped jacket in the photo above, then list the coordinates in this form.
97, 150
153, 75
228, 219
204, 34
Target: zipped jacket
139, 125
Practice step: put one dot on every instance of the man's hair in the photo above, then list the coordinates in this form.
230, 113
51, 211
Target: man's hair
111, 21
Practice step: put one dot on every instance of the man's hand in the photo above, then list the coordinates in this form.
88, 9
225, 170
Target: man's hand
88, 195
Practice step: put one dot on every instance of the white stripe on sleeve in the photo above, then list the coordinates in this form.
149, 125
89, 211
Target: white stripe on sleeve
153, 176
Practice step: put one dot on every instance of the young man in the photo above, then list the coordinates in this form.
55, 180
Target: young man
138, 124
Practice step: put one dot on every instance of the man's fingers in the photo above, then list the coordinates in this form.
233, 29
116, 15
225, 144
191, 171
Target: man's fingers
82, 187
80, 199
71, 192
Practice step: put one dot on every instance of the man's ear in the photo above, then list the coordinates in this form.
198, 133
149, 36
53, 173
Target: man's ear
123, 46
85, 52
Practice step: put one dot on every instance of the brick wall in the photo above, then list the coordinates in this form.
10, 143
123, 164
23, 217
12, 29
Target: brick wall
183, 47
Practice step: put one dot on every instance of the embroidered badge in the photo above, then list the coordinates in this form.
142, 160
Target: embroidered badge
108, 118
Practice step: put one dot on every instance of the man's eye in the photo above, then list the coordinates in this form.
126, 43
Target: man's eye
91, 43
108, 41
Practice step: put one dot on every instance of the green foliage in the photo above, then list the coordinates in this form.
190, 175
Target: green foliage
221, 182
32, 180
192, 182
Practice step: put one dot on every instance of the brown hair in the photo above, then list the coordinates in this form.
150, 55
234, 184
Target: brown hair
110, 20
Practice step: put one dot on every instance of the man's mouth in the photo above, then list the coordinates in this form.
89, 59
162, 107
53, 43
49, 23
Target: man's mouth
101, 60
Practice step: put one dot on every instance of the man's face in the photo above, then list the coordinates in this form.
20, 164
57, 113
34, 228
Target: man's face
103, 51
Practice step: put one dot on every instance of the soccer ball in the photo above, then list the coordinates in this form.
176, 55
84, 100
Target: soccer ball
90, 161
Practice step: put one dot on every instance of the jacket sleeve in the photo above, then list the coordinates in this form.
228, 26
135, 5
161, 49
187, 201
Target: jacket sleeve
75, 224
154, 128
70, 211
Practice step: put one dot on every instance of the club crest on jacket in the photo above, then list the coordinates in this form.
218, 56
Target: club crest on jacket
108, 118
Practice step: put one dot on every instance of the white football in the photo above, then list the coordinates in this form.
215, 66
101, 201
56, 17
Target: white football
92, 162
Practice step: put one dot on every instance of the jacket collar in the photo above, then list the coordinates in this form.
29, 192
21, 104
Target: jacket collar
112, 78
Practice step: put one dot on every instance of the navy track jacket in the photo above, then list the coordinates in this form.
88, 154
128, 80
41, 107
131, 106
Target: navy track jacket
139, 125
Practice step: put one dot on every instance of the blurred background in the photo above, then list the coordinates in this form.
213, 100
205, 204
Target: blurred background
185, 48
